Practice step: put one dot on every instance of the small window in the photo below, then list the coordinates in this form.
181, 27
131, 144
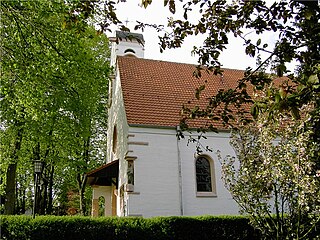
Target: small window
114, 139
205, 177
129, 50
130, 172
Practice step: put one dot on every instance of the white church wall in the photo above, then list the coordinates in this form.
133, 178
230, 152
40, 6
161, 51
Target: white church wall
117, 117
113, 54
155, 173
157, 181
220, 204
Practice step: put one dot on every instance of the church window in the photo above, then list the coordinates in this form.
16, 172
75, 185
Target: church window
129, 50
205, 176
130, 172
114, 139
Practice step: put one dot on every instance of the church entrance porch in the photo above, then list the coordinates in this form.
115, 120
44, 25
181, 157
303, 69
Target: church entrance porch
104, 182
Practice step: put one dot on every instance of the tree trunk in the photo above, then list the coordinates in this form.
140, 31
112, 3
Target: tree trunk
9, 205
82, 179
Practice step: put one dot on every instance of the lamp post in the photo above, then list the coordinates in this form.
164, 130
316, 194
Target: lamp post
37, 170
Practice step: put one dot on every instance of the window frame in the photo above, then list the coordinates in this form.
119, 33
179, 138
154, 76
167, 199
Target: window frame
213, 192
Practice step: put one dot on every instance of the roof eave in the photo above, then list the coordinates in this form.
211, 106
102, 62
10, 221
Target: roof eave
172, 127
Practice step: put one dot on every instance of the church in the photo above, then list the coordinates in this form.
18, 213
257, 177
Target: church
149, 170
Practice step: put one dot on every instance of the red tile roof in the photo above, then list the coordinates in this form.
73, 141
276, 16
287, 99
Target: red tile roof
155, 91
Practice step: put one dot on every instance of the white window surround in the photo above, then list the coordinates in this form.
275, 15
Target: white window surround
213, 192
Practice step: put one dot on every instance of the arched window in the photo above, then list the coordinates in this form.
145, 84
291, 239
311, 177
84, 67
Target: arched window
102, 206
205, 177
129, 50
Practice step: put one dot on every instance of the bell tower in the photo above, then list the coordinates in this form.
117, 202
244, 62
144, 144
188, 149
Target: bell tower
126, 44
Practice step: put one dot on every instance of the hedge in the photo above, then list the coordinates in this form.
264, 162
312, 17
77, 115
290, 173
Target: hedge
159, 228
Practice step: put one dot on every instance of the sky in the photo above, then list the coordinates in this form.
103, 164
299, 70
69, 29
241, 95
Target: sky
233, 57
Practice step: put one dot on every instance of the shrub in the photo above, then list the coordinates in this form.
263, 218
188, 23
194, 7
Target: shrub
158, 228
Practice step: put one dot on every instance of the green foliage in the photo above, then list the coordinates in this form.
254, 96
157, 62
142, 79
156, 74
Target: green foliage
54, 84
52, 228
295, 27
275, 178
278, 178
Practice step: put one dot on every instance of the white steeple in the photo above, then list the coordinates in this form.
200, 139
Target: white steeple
126, 44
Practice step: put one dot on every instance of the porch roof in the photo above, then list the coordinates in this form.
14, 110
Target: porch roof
104, 175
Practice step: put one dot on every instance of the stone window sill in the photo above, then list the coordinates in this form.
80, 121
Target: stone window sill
206, 194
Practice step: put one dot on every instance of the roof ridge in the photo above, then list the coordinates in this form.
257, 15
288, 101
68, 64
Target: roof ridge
165, 61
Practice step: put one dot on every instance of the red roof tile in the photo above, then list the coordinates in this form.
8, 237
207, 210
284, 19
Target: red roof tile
155, 91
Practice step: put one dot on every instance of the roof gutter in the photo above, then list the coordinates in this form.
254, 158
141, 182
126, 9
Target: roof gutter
173, 128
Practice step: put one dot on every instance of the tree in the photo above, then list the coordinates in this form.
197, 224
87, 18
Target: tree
286, 173
296, 28
273, 177
54, 81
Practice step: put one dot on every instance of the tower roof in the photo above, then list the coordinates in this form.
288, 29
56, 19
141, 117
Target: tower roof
130, 36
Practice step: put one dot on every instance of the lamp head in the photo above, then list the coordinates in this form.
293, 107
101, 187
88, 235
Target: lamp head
38, 166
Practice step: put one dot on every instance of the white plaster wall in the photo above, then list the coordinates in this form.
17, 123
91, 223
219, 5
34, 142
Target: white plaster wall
134, 45
157, 175
117, 116
223, 202
113, 54
104, 191
118, 49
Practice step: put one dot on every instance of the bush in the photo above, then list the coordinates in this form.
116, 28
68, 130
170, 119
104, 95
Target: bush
159, 228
